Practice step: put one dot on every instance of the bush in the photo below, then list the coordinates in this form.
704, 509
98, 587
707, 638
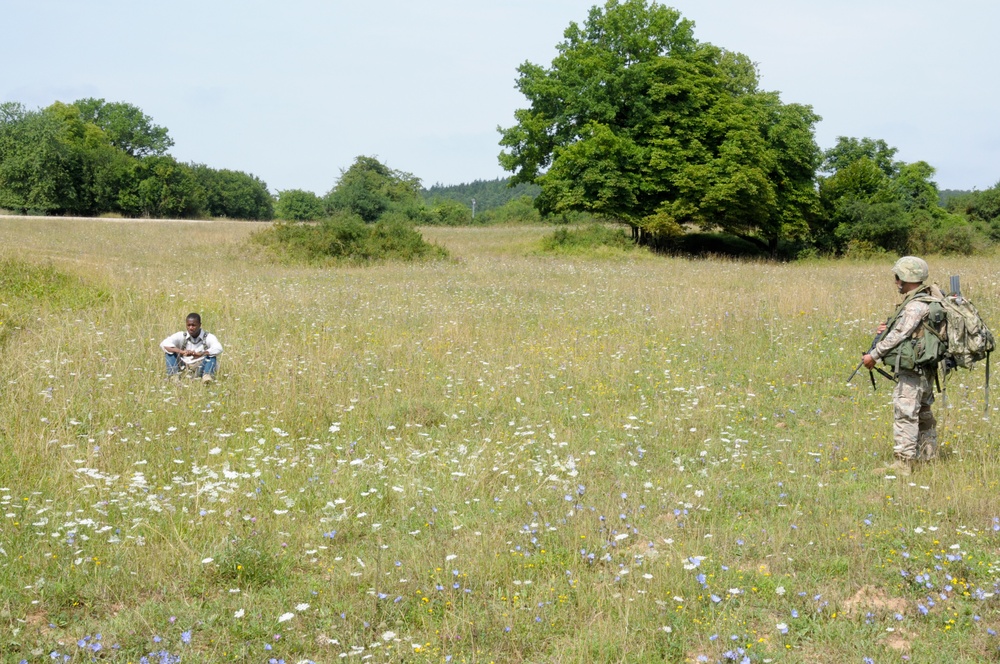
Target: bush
863, 250
950, 235
587, 239
347, 238
450, 213
520, 210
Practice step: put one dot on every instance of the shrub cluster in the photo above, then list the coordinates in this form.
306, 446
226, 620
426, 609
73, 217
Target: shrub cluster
587, 239
346, 238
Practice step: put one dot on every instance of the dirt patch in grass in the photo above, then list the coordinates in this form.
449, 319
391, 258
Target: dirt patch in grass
870, 598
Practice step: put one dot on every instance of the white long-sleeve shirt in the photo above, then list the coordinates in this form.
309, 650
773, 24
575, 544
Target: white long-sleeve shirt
205, 341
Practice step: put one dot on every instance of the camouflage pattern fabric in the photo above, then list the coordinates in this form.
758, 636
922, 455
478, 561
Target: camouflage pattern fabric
914, 428
902, 329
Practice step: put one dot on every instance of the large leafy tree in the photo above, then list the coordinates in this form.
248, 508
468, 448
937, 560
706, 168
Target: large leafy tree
637, 121
370, 189
161, 187
52, 161
126, 126
36, 167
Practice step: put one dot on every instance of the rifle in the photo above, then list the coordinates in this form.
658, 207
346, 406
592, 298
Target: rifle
871, 372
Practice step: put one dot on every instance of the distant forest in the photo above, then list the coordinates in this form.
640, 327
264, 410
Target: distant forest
488, 194
946, 195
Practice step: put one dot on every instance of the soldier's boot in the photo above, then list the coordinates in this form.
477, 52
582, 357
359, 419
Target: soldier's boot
902, 466
928, 448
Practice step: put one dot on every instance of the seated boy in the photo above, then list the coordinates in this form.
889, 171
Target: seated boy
194, 350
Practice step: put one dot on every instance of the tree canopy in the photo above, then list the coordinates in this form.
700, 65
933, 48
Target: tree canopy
93, 157
369, 189
637, 121
871, 201
126, 126
299, 205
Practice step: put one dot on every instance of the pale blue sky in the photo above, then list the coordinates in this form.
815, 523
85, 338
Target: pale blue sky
292, 91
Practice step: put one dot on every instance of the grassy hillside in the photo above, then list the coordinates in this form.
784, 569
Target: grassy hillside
506, 457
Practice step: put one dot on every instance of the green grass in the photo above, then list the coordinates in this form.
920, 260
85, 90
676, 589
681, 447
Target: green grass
505, 457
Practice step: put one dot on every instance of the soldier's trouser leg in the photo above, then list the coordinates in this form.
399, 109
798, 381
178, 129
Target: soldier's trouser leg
927, 443
911, 401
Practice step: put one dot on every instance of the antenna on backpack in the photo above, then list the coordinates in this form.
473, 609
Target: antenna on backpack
956, 287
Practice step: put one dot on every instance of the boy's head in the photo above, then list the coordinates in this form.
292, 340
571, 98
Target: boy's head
193, 324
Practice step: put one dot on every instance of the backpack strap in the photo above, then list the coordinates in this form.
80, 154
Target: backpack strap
943, 386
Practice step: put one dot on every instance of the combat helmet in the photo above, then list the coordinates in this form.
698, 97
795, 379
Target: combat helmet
911, 269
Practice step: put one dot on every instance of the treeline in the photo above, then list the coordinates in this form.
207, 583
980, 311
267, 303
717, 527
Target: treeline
94, 157
487, 194
869, 202
373, 191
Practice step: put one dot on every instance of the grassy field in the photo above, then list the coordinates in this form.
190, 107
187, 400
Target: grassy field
500, 457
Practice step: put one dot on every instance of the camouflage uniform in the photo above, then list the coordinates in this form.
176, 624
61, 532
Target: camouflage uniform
914, 427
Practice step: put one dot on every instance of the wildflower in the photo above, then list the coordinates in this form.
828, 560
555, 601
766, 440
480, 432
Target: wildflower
782, 627
285, 617
186, 637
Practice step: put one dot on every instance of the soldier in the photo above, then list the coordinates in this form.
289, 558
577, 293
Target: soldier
914, 427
